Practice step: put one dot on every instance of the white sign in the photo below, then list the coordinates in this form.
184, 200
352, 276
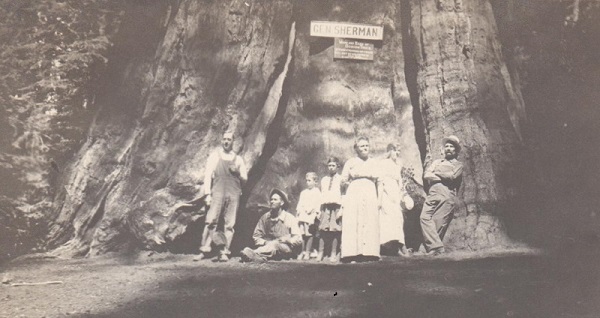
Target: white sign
346, 30
353, 49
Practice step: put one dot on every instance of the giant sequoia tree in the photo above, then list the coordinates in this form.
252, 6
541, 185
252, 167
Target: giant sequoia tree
183, 71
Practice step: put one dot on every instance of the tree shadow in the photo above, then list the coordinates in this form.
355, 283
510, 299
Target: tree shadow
514, 286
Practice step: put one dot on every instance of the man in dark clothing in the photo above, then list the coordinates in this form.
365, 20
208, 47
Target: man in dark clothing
444, 177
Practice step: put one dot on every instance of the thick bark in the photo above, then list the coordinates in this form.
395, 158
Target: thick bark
210, 72
465, 90
330, 102
51, 57
252, 67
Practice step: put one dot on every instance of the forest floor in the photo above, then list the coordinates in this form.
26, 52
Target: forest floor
507, 284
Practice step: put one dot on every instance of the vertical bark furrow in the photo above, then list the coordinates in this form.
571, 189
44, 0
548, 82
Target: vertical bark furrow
253, 68
463, 91
333, 101
255, 140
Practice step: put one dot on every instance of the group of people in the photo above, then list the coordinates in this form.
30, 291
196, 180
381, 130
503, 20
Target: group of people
318, 215
357, 212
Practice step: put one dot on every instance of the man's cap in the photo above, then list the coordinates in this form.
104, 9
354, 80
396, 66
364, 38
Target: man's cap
283, 196
453, 140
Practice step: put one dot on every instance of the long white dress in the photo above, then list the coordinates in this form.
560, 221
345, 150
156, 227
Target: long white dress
391, 218
360, 221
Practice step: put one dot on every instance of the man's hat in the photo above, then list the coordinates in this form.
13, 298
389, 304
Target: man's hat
453, 140
283, 195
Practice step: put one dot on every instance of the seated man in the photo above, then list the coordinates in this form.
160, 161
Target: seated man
277, 234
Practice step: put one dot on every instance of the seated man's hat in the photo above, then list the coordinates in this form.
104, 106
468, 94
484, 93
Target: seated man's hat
284, 197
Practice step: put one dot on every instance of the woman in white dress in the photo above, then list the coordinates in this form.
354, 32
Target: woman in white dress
360, 225
391, 217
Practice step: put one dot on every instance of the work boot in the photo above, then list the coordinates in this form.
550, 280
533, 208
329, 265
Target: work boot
302, 256
436, 251
334, 258
248, 255
405, 252
223, 258
319, 256
199, 257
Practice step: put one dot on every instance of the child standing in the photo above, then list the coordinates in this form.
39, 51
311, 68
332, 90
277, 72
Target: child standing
330, 226
307, 211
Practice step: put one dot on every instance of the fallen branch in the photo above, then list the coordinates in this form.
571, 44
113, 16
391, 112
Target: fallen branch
37, 284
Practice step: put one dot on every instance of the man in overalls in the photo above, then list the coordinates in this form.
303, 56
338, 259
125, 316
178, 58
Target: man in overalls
444, 177
225, 172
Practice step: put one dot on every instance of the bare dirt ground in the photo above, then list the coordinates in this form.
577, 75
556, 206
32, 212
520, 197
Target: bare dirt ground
512, 284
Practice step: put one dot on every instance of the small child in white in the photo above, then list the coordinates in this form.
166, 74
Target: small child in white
307, 212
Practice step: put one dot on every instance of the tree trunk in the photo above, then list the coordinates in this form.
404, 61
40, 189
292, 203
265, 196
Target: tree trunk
329, 103
52, 55
465, 90
212, 70
252, 67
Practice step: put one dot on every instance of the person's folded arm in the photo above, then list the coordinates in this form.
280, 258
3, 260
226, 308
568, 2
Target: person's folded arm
451, 175
429, 173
